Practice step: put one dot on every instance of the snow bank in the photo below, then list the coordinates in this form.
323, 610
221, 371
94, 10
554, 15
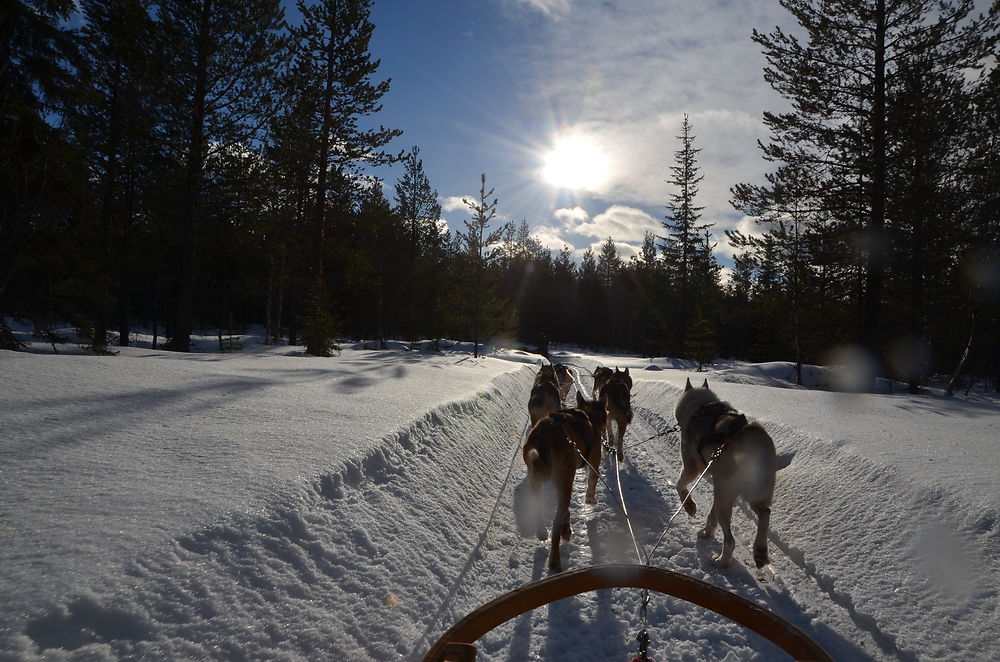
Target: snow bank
345, 565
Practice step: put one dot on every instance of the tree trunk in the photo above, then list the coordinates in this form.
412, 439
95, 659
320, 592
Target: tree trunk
965, 354
877, 250
181, 340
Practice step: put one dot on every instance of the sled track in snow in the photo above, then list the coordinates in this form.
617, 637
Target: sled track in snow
377, 557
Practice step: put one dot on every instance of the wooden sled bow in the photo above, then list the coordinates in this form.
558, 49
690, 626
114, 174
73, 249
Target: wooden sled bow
455, 645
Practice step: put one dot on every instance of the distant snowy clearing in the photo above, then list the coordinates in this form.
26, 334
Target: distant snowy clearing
267, 505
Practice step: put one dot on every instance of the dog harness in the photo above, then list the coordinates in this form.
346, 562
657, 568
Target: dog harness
716, 422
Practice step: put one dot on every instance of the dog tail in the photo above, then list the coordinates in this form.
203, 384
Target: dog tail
538, 466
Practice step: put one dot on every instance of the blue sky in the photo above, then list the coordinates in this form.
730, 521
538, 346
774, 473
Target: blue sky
491, 85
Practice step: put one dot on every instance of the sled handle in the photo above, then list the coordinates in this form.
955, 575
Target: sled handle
734, 607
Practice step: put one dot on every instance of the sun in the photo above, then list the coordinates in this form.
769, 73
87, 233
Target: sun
575, 161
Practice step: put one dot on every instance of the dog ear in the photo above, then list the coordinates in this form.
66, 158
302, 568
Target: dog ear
687, 386
705, 385
626, 372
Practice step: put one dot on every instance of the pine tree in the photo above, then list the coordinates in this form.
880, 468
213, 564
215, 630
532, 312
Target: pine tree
842, 85
591, 299
222, 58
335, 35
417, 205
114, 121
37, 57
478, 241
983, 196
651, 298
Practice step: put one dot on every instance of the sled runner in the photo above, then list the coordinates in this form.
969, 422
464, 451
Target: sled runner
456, 645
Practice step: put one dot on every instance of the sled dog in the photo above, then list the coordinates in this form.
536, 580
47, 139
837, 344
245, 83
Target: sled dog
544, 397
601, 377
565, 379
746, 466
549, 454
616, 394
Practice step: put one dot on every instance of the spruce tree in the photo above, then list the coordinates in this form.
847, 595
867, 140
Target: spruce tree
683, 236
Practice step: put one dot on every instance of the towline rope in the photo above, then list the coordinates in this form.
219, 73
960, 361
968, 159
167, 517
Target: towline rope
715, 456
475, 552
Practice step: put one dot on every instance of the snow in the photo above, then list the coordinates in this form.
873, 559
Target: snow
264, 505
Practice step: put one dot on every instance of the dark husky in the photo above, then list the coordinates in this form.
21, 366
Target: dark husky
616, 394
549, 454
565, 379
602, 375
544, 396
746, 467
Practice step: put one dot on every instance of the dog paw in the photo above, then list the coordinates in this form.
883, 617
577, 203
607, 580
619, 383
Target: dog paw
760, 558
721, 561
690, 508
591, 500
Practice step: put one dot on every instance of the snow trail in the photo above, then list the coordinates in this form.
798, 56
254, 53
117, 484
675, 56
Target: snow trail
403, 532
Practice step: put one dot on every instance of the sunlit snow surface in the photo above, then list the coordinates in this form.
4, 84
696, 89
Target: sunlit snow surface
268, 505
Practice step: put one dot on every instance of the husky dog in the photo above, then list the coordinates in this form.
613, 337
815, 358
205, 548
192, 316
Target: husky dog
616, 394
601, 377
746, 466
549, 454
565, 379
544, 396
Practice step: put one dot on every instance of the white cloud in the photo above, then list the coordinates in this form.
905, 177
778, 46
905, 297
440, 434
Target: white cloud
569, 215
551, 8
630, 71
454, 203
550, 237
747, 225
619, 222
625, 249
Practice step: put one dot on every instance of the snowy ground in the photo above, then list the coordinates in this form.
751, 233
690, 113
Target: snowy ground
268, 505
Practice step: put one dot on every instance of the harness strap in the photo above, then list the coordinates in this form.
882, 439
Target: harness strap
722, 420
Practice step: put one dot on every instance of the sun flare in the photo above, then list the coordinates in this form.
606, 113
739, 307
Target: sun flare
575, 162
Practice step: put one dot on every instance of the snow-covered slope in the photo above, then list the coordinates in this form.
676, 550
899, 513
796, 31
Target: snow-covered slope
269, 506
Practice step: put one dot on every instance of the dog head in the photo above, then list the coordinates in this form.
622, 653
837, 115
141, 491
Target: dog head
691, 401
623, 376
546, 373
602, 376
562, 372
595, 410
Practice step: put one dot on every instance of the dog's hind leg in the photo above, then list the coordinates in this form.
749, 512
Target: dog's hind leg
710, 525
536, 498
722, 509
760, 556
620, 445
560, 523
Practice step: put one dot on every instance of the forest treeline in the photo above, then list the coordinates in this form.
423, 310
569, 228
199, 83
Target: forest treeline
178, 165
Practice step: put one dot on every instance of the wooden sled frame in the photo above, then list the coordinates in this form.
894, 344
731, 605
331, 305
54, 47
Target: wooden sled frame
455, 645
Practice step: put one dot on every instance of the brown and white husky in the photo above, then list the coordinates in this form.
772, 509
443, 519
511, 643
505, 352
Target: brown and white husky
746, 466
549, 454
